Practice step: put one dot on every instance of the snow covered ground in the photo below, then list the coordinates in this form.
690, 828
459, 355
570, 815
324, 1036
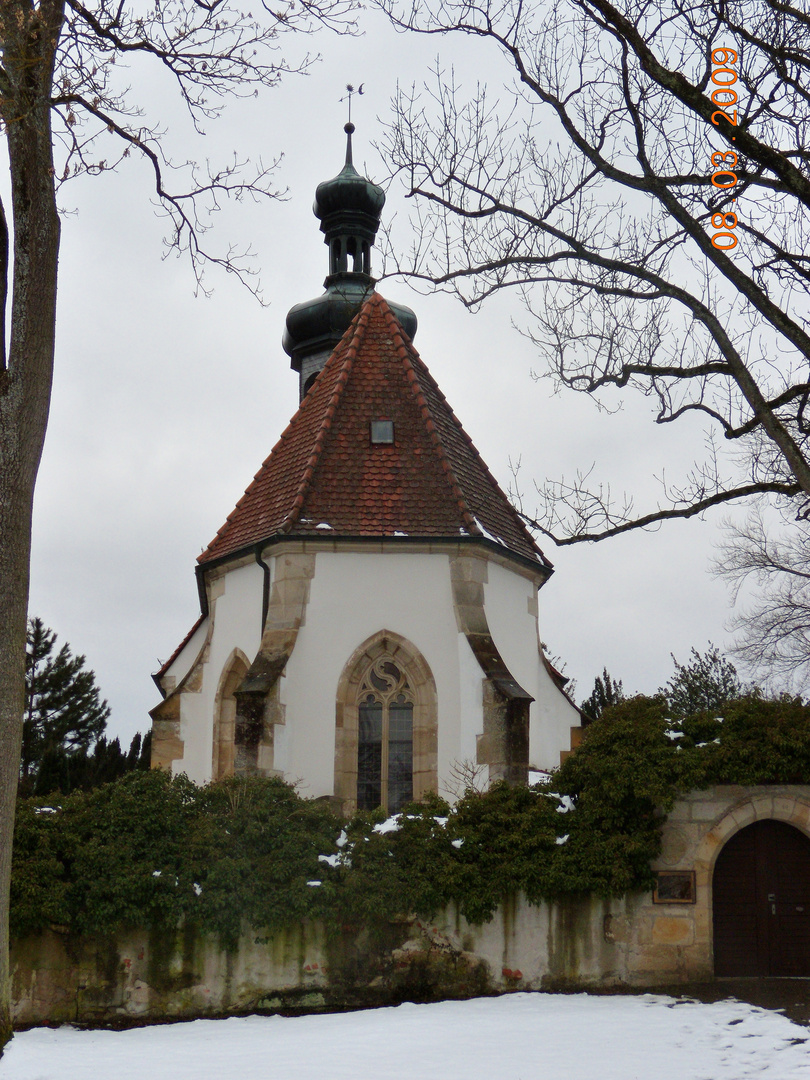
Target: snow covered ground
518, 1037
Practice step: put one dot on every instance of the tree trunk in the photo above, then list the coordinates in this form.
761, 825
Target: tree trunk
29, 36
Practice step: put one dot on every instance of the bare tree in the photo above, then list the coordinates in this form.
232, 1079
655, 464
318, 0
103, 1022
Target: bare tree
773, 630
64, 102
657, 234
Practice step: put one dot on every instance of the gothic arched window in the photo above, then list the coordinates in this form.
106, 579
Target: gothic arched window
385, 738
385, 727
233, 673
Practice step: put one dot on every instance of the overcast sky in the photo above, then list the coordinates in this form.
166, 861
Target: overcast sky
165, 405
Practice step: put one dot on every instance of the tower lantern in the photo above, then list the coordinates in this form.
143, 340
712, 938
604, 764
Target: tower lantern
349, 208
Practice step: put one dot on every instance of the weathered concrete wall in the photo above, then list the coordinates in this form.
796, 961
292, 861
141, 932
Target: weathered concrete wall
585, 942
138, 975
144, 976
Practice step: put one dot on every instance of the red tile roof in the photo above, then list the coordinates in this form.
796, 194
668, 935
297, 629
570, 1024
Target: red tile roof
164, 667
325, 471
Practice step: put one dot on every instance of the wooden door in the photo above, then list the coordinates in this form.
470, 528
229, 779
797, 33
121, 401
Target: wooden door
761, 902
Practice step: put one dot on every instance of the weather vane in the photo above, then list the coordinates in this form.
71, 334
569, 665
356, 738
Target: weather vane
348, 97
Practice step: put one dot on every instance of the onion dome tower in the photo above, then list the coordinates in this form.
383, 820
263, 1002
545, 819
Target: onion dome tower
349, 208
369, 613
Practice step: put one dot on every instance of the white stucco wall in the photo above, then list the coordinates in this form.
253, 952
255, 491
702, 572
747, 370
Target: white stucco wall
552, 718
235, 612
181, 665
353, 595
511, 604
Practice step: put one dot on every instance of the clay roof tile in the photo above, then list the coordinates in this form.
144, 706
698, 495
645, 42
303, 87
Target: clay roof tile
325, 471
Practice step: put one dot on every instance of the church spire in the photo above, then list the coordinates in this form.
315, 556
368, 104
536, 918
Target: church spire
349, 129
348, 207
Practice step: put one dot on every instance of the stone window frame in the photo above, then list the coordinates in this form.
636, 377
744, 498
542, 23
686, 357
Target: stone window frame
425, 714
223, 750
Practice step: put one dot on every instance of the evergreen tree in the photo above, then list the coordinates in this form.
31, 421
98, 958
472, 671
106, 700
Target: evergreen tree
145, 756
134, 754
64, 714
707, 683
64, 771
606, 691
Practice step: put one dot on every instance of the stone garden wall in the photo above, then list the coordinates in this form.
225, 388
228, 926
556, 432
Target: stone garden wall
641, 940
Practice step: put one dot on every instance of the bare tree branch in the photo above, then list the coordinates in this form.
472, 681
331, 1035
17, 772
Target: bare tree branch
773, 628
591, 192
592, 508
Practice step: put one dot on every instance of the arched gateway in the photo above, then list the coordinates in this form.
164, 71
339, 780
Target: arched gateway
761, 902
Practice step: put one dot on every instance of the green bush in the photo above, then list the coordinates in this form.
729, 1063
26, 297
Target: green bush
148, 849
634, 762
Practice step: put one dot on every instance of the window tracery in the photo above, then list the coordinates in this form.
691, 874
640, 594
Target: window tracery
385, 738
386, 726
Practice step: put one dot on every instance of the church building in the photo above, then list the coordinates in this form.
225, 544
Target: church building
369, 610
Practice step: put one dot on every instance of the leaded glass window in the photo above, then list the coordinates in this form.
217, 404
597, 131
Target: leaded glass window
385, 739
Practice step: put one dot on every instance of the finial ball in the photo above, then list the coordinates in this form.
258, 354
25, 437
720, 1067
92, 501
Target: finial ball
349, 128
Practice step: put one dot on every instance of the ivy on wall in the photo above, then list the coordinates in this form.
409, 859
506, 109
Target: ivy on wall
148, 849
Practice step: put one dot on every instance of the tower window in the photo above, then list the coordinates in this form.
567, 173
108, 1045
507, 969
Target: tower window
355, 254
309, 382
382, 431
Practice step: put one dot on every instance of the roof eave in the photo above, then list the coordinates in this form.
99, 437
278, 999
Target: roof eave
164, 667
538, 566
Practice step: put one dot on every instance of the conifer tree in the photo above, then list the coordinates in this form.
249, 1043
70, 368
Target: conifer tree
63, 771
708, 682
64, 713
606, 691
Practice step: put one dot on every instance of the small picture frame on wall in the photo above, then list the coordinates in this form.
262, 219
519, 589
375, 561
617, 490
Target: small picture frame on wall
674, 887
